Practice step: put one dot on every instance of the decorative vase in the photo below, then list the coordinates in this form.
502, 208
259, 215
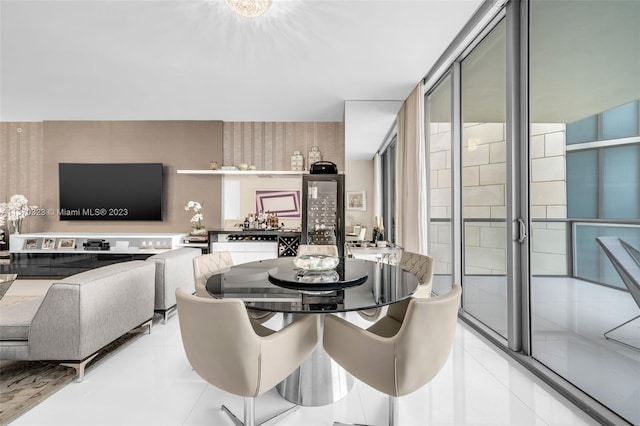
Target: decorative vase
314, 155
14, 226
198, 231
297, 161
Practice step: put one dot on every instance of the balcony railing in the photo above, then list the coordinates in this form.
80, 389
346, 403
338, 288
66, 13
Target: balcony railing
575, 240
559, 247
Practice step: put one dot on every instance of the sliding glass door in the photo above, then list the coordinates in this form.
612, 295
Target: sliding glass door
584, 185
389, 191
484, 181
439, 137
564, 166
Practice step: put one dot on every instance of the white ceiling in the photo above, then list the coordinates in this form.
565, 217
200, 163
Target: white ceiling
366, 124
197, 60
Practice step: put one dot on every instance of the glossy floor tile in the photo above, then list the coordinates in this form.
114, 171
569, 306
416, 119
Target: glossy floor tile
149, 382
569, 318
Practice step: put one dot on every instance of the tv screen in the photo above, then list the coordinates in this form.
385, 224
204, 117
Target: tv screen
116, 191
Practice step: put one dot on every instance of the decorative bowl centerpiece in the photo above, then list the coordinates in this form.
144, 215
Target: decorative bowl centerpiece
317, 277
316, 262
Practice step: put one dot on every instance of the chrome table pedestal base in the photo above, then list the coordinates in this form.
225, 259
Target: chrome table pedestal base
318, 381
394, 413
250, 414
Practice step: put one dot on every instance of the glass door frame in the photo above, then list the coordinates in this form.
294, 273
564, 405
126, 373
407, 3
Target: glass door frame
518, 341
516, 187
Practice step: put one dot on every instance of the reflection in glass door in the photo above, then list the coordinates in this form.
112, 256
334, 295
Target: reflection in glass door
484, 181
585, 184
439, 140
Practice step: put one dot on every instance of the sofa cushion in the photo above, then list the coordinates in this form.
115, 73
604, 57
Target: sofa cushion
15, 320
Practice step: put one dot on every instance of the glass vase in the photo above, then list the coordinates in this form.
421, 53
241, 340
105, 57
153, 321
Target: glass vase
14, 226
198, 231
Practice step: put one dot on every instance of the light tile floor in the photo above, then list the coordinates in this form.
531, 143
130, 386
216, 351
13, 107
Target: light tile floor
149, 382
569, 318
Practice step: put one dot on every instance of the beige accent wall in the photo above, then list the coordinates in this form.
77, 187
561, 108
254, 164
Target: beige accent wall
269, 145
21, 157
176, 144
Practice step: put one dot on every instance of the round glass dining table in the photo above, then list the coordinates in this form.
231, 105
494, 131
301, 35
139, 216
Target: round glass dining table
276, 285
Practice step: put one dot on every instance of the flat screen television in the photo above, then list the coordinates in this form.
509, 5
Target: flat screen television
110, 191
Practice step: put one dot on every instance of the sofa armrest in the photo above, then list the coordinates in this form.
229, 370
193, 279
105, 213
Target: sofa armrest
87, 311
174, 269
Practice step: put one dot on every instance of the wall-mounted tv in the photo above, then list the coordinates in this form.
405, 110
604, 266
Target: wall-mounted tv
110, 191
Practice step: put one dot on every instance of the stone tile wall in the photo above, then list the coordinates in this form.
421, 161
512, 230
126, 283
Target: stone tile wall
484, 197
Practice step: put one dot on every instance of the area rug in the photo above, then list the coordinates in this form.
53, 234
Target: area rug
25, 384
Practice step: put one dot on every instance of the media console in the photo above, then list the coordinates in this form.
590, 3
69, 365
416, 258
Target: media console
60, 254
119, 243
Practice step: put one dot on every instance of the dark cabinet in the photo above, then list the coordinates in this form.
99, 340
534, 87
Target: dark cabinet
323, 210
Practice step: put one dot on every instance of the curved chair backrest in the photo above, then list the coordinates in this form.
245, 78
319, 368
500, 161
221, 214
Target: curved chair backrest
220, 342
421, 266
424, 341
329, 250
207, 265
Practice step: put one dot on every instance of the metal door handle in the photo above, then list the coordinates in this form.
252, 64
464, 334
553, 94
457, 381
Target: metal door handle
523, 231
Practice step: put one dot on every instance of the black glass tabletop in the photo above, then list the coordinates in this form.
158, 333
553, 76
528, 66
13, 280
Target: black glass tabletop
276, 285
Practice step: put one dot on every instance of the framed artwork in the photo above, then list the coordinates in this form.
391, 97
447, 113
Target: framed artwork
285, 202
357, 200
48, 243
67, 243
30, 244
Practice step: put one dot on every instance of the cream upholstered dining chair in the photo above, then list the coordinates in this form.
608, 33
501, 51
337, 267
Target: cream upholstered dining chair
206, 265
231, 353
397, 355
328, 250
419, 265
213, 263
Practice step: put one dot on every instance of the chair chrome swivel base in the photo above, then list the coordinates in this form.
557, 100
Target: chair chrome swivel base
166, 313
250, 414
394, 412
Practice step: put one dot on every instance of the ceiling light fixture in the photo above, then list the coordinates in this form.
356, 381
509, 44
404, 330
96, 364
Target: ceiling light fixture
249, 8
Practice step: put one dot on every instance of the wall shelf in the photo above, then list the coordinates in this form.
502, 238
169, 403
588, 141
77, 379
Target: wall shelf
259, 173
